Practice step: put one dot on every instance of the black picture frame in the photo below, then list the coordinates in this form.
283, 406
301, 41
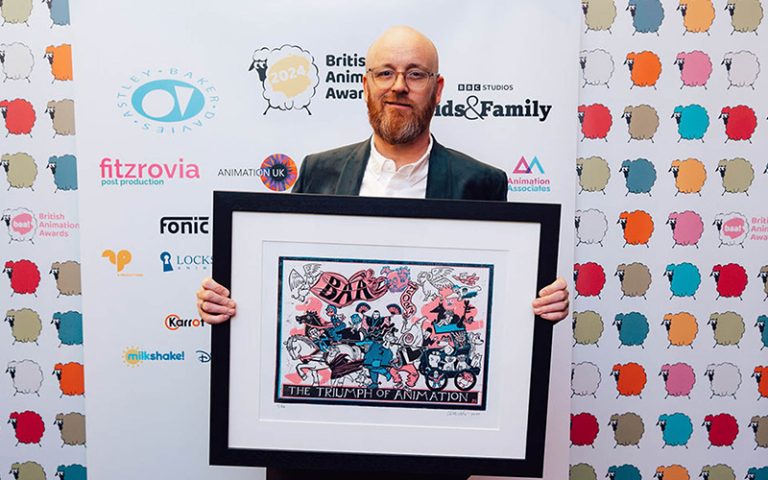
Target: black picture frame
220, 452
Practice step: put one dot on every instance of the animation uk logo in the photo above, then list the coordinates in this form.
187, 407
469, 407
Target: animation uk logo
174, 322
167, 101
173, 263
120, 260
529, 177
135, 356
278, 172
289, 77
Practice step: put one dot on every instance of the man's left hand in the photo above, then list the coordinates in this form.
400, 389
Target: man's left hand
552, 303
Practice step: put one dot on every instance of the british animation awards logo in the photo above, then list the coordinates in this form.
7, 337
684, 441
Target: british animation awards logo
288, 76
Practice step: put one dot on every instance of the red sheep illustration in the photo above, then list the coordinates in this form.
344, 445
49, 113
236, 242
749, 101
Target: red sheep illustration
584, 429
589, 279
740, 122
24, 275
19, 116
630, 379
722, 430
595, 121
731, 280
29, 427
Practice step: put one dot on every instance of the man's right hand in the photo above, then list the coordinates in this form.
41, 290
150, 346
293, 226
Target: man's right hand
213, 302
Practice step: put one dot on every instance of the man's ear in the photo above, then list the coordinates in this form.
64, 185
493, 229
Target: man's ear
365, 87
440, 85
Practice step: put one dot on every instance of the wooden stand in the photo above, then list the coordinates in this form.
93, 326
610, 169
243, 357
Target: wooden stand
280, 474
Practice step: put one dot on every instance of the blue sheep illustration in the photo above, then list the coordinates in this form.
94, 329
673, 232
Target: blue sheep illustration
624, 472
647, 15
71, 472
70, 327
755, 473
684, 279
64, 170
761, 323
633, 328
639, 175
676, 429
692, 122
59, 10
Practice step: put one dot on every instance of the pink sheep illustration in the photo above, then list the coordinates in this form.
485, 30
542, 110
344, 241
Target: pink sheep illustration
679, 379
695, 68
687, 228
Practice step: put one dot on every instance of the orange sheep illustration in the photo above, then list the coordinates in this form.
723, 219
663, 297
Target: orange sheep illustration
644, 68
698, 15
681, 328
630, 379
761, 375
71, 378
690, 175
60, 59
637, 226
672, 472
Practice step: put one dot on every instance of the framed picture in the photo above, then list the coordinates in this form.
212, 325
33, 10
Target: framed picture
381, 334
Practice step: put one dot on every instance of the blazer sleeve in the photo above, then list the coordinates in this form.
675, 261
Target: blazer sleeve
302, 183
500, 187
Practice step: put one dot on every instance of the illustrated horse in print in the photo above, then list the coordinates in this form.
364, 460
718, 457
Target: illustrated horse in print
310, 357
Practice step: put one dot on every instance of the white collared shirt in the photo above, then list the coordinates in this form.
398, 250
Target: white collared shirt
382, 179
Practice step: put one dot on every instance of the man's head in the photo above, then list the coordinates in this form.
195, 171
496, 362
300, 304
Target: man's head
401, 108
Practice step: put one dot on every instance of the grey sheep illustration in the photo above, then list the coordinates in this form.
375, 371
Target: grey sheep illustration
737, 175
27, 471
598, 14
628, 429
724, 379
585, 379
728, 328
746, 15
587, 327
26, 375
720, 471
67, 275
20, 169
642, 122
593, 173
743, 68
635, 279
591, 226
72, 428
16, 11
763, 275
596, 67
25, 325
62, 115
759, 425
17, 61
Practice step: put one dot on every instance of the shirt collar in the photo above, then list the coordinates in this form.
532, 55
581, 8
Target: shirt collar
377, 161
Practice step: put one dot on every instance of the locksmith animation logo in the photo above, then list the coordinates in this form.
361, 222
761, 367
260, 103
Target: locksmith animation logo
289, 77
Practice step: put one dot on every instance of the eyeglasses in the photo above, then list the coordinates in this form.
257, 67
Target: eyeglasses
415, 78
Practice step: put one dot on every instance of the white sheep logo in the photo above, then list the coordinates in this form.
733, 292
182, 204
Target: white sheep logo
289, 77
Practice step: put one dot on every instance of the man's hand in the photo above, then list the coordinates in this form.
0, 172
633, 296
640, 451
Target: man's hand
552, 303
213, 302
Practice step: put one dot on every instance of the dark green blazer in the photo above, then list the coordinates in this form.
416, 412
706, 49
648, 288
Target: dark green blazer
452, 174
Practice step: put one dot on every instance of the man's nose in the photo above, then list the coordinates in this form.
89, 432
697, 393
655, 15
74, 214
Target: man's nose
400, 84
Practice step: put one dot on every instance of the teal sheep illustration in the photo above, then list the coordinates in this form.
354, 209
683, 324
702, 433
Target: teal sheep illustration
71, 472
692, 122
633, 328
761, 322
69, 326
684, 279
624, 472
647, 15
639, 175
755, 473
676, 429
64, 170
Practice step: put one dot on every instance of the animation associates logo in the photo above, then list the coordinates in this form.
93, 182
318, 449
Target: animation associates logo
135, 356
117, 173
529, 177
278, 172
167, 101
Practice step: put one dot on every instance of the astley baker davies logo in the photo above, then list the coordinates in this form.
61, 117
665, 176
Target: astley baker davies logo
288, 76
120, 260
135, 356
277, 172
167, 101
528, 176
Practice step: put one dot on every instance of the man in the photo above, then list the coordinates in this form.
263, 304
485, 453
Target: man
401, 88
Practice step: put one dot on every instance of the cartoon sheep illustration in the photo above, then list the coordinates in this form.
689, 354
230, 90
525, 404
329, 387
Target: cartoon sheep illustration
727, 327
593, 173
687, 228
69, 326
635, 279
763, 275
19, 116
591, 227
71, 378
698, 15
630, 379
637, 227
595, 120
740, 122
681, 327
672, 472
582, 471
642, 122
71, 472
724, 379
759, 426
25, 325
21, 224
26, 375
692, 122
59, 10
624, 472
17, 61
684, 279
585, 379
62, 115
16, 11
644, 68
743, 68
746, 15
762, 320
628, 429
71, 427
690, 175
633, 329
755, 473
760, 375
584, 429
639, 176
732, 228
288, 75
676, 429
647, 15
27, 471
587, 328
596, 67
24, 275
722, 429
695, 68
598, 14
720, 471
679, 379
28, 427
737, 175
64, 171
20, 169
60, 59
67, 275
730, 280
588, 279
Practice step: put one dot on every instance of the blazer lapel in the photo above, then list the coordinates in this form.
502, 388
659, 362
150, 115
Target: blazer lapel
440, 176
351, 177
